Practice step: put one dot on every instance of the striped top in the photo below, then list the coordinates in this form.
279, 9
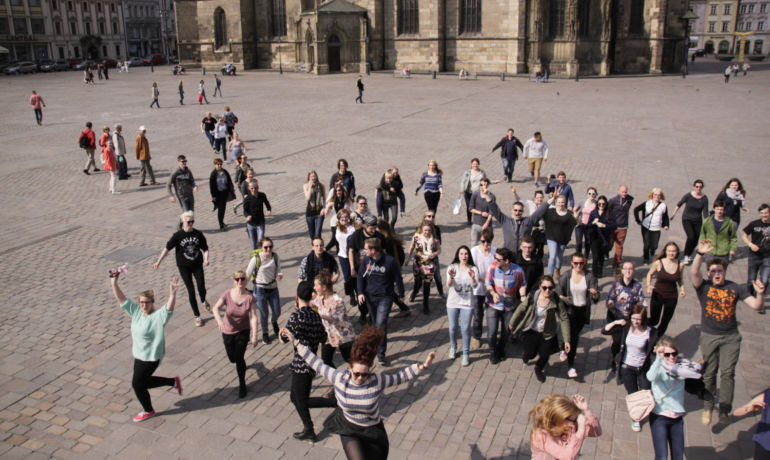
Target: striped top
360, 404
432, 183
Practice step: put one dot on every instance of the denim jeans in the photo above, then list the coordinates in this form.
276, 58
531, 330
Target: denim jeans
478, 315
210, 136
555, 254
633, 378
464, 315
256, 233
379, 307
220, 143
494, 318
758, 265
667, 432
264, 297
314, 225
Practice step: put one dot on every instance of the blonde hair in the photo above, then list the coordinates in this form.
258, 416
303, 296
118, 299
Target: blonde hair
551, 414
667, 341
657, 190
106, 128
239, 274
311, 172
187, 214
345, 211
438, 169
388, 176
149, 294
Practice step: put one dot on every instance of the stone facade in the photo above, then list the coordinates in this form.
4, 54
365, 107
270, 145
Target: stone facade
562, 37
754, 17
150, 27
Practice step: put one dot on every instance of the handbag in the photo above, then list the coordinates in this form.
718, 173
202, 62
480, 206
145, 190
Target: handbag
200, 98
456, 205
641, 403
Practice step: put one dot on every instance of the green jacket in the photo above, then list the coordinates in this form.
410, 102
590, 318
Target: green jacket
525, 312
724, 242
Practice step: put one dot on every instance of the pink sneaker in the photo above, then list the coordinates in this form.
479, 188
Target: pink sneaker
178, 385
142, 416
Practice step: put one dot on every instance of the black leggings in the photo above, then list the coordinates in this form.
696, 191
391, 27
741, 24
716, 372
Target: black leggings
187, 274
419, 282
143, 380
651, 239
600, 252
577, 319
221, 204
300, 397
333, 241
359, 449
660, 305
536, 345
235, 346
327, 353
431, 199
692, 230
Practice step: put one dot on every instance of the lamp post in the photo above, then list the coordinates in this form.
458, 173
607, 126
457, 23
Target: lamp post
687, 17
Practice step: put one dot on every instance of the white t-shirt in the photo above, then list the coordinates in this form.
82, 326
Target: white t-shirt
459, 294
482, 262
654, 215
342, 240
578, 292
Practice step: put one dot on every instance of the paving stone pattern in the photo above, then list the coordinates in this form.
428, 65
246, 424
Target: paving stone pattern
65, 354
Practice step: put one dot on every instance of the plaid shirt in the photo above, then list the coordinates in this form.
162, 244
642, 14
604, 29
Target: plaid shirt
306, 326
506, 285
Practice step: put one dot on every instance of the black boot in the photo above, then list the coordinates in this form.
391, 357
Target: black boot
266, 339
306, 434
275, 328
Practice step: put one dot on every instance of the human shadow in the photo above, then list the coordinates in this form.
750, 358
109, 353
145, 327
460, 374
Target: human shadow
414, 390
477, 455
741, 447
688, 339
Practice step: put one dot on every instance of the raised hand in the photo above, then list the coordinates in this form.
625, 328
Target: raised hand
174, 285
429, 359
580, 402
705, 246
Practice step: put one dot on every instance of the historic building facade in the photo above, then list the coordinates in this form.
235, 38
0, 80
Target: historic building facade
719, 26
150, 27
564, 37
754, 17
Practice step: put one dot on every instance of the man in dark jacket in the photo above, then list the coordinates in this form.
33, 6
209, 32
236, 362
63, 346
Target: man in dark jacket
377, 276
317, 260
254, 210
183, 185
532, 267
515, 227
619, 206
508, 153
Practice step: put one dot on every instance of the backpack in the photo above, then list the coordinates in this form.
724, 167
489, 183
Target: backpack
255, 253
83, 141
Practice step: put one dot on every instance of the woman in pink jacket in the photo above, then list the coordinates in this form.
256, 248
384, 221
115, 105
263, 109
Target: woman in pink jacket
559, 426
109, 159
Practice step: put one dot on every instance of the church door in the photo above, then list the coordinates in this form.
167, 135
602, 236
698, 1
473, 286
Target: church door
334, 46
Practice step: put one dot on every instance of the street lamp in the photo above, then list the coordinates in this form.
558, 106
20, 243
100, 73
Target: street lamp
687, 17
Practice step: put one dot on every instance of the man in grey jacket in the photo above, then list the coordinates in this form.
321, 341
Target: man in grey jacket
183, 185
515, 226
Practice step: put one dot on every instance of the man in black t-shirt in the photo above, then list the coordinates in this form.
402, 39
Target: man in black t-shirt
357, 251
720, 341
756, 235
207, 127
532, 267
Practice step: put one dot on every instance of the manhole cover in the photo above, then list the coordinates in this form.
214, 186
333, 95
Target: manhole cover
130, 255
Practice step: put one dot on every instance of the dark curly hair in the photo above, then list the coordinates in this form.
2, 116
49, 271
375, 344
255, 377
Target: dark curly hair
366, 345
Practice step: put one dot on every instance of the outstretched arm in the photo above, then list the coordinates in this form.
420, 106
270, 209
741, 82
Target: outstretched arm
172, 289
408, 373
756, 404
116, 291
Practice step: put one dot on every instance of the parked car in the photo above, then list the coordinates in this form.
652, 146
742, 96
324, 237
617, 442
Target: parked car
135, 62
61, 65
155, 59
5, 65
700, 52
108, 62
83, 64
21, 67
45, 65
72, 62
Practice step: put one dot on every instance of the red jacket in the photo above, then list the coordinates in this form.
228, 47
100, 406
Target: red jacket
91, 138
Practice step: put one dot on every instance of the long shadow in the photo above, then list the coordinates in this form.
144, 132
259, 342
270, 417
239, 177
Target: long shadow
688, 339
477, 455
415, 390
741, 447
256, 140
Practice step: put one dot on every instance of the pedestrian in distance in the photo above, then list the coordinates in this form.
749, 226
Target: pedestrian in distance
208, 125
220, 138
559, 223
217, 86
111, 165
181, 93
236, 147
87, 142
559, 426
508, 152
202, 93
143, 155
155, 94
36, 102
583, 216
181, 185
230, 121
149, 344
728, 69
222, 190
360, 88
535, 152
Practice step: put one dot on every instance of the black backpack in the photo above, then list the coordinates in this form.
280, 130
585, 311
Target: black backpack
84, 142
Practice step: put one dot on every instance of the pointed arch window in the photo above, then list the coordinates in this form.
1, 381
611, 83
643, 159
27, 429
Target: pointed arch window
408, 17
636, 21
220, 28
556, 23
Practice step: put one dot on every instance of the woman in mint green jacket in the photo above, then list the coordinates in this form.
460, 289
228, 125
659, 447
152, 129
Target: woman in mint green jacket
667, 419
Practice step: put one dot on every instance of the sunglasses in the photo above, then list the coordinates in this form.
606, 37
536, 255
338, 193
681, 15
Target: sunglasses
360, 375
242, 278
267, 247
546, 288
191, 221
670, 355
499, 259
518, 210
483, 241
591, 194
578, 263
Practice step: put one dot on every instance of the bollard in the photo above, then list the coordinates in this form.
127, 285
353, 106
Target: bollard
434, 74
204, 70
152, 67
502, 76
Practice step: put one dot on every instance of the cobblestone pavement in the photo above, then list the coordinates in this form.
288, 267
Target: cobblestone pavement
65, 355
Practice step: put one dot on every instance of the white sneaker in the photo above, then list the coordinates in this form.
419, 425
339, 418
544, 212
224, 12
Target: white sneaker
452, 353
563, 356
636, 426
572, 373
687, 260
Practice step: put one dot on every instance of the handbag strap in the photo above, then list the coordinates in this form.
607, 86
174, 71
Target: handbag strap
667, 393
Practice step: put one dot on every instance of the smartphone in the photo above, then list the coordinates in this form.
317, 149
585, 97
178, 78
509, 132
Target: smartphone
283, 338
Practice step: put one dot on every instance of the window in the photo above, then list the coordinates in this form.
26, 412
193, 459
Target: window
408, 17
37, 25
713, 9
761, 25
757, 46
117, 51
17, 3
636, 22
19, 26
712, 26
742, 9
112, 7
57, 27
278, 18
85, 7
61, 52
99, 7
76, 51
556, 20
470, 16
763, 8
115, 29
69, 5
748, 25
4, 26
54, 5
725, 27
220, 28
104, 50
34, 3
584, 18
101, 28
751, 8
739, 26
88, 28
73, 28
728, 8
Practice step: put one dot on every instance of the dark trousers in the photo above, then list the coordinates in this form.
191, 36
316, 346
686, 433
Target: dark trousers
477, 323
692, 230
123, 169
235, 346
536, 345
380, 309
210, 137
146, 169
301, 385
582, 234
667, 432
143, 380
220, 143
154, 102
420, 283
467, 195
508, 164
38, 116
390, 212
401, 202
760, 453
498, 319
221, 204
360, 449
186, 202
651, 239
360, 96
633, 378
327, 353
577, 319
600, 253
539, 237
333, 240
432, 199
187, 274
660, 305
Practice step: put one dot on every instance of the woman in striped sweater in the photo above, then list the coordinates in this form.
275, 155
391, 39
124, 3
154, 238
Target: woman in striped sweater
434, 188
357, 417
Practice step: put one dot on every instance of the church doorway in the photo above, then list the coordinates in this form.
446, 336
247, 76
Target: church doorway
333, 49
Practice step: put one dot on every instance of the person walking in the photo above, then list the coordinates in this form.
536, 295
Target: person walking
379, 282
230, 121
362, 212
637, 339
734, 196
87, 142
505, 286
217, 86
220, 138
181, 185
508, 152
721, 231
667, 418
336, 200
208, 125
624, 293
396, 188
559, 426
120, 152
155, 94
561, 188
515, 226
192, 254
583, 216
535, 152
483, 256
462, 280
434, 188
238, 325
756, 235
348, 179
264, 270
358, 391
222, 190
559, 223
531, 266
471, 183
37, 104
318, 259
577, 289
652, 217
149, 344
535, 320
315, 196
254, 210
236, 147
728, 69
357, 252
720, 341
426, 248
619, 207
111, 165
345, 230
181, 93
202, 93
600, 233
387, 198
143, 155
360, 88
479, 208
696, 209
331, 309
668, 286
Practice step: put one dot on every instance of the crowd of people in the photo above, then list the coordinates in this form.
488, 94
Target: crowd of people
518, 286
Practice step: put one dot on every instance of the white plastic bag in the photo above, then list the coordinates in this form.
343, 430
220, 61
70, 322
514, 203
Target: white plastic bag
457, 205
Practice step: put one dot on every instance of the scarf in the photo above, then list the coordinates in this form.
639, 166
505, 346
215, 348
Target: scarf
734, 195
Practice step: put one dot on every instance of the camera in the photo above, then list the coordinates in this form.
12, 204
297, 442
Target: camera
283, 338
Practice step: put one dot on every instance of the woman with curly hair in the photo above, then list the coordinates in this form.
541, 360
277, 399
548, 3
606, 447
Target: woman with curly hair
560, 425
733, 195
426, 249
357, 418
315, 194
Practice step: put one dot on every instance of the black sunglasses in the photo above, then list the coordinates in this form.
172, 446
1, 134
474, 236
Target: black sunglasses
360, 375
267, 247
546, 288
242, 278
670, 355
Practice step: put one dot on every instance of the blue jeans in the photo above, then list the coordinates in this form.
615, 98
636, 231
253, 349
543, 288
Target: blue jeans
379, 308
464, 315
220, 143
38, 115
210, 136
256, 233
667, 432
758, 265
263, 297
494, 318
555, 254
314, 225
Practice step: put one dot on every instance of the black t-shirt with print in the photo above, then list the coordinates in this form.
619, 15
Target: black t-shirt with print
759, 232
718, 304
209, 123
189, 247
